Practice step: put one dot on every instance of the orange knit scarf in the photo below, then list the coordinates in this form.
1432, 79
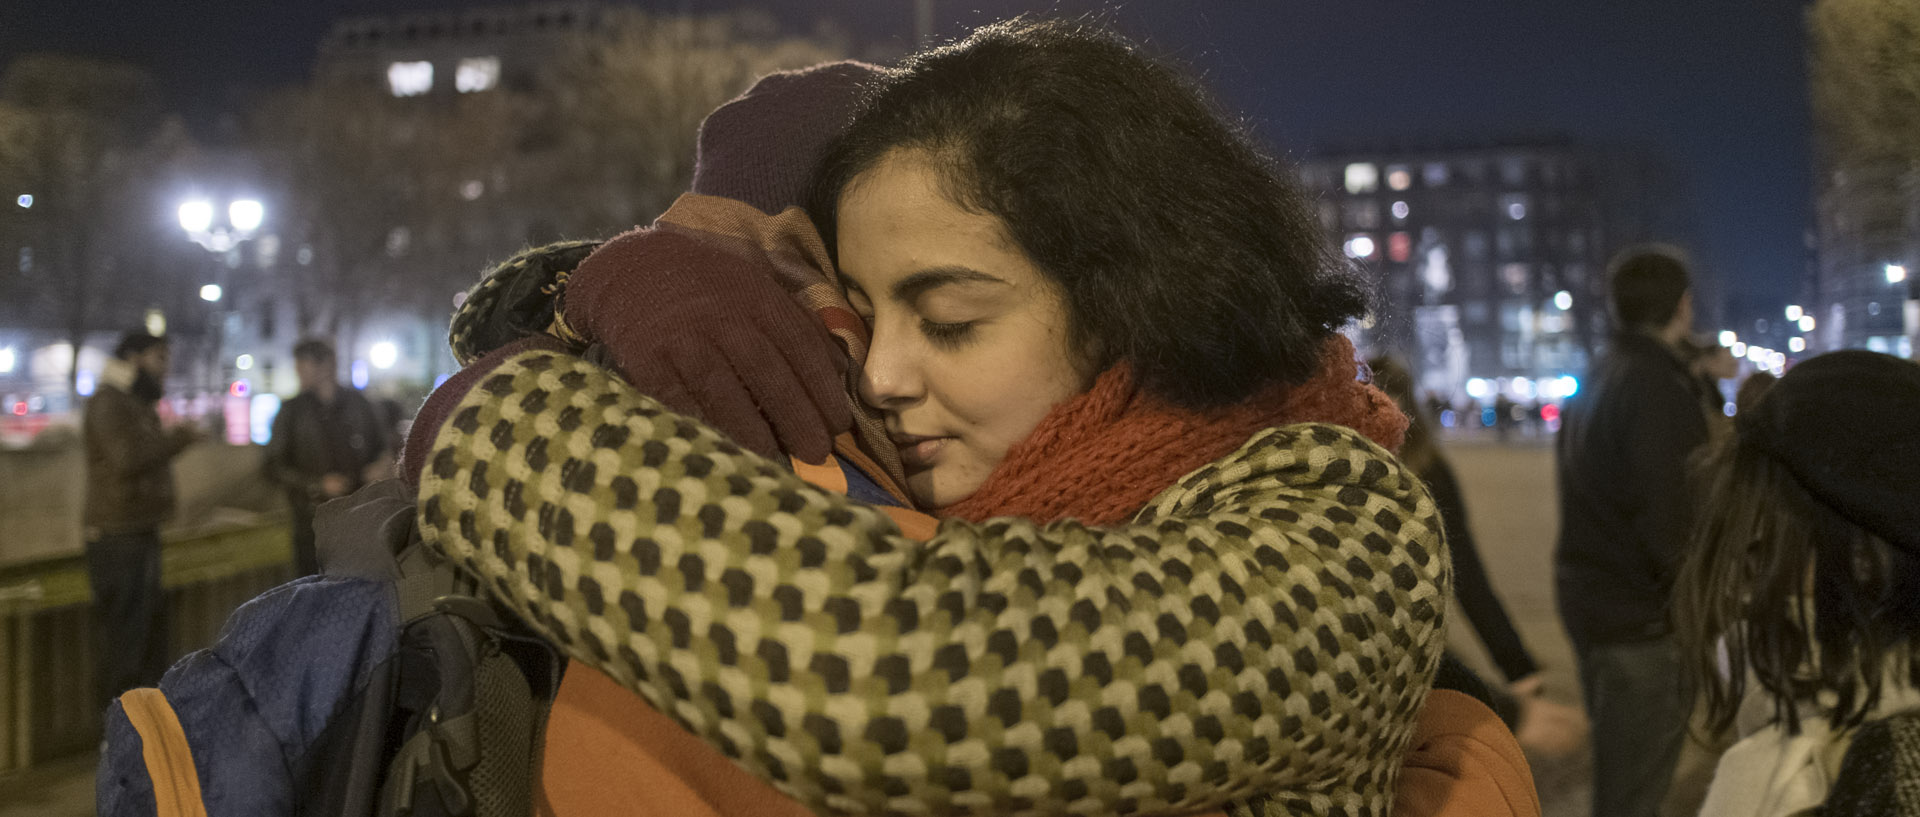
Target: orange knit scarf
1103, 455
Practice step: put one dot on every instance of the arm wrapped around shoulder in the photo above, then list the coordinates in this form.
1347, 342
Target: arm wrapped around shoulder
1269, 625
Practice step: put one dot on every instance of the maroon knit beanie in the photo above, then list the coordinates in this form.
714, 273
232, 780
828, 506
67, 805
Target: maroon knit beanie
761, 147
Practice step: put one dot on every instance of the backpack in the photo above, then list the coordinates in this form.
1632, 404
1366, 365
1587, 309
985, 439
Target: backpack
388, 685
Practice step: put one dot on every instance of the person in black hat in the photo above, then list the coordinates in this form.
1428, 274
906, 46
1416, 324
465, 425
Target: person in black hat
1803, 588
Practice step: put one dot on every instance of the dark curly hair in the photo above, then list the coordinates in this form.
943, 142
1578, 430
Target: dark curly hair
1180, 248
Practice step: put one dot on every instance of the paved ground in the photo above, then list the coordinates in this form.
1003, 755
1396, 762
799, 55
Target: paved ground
1511, 507
1509, 491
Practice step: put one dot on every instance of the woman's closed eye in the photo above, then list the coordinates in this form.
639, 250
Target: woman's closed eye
947, 335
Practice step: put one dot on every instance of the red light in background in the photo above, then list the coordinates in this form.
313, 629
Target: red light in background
20, 409
1549, 412
238, 389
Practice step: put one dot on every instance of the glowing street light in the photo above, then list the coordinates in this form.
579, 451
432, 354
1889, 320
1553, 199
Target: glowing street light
1728, 338
1563, 300
196, 216
25, 201
1796, 344
1896, 273
243, 362
6, 360
210, 293
383, 355
1806, 323
1794, 312
245, 215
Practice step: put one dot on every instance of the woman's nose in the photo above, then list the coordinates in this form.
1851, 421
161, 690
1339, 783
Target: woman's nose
889, 380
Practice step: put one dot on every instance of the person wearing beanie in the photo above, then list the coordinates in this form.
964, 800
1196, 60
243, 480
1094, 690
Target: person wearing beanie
1179, 569
1802, 593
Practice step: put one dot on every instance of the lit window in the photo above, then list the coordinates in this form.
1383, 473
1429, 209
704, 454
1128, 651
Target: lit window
1362, 178
1435, 174
1399, 247
1359, 245
410, 78
1398, 178
1400, 211
475, 74
1515, 276
1514, 205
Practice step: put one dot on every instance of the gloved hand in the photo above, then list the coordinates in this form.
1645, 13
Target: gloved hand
710, 332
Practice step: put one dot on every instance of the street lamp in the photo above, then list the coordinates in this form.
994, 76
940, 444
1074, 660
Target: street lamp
1896, 273
210, 293
1794, 312
244, 216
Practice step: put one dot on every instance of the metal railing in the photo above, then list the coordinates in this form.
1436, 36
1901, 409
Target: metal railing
47, 705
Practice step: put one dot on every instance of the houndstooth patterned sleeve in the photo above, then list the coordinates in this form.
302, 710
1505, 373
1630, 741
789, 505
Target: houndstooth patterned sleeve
1262, 635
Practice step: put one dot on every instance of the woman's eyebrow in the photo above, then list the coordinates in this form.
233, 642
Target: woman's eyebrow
910, 288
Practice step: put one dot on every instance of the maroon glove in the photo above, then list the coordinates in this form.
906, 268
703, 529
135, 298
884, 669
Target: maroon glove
707, 330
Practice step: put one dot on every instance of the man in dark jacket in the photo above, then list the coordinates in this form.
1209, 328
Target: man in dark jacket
1624, 523
327, 442
129, 493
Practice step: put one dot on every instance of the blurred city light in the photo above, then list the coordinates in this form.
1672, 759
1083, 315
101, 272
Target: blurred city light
83, 385
383, 355
358, 374
6, 360
210, 293
1563, 299
196, 216
1523, 388
25, 200
1728, 338
245, 215
1400, 210
1758, 354
1737, 348
1362, 178
260, 414
1516, 211
156, 323
410, 78
243, 362
1794, 312
1796, 344
1477, 388
1896, 273
1359, 246
1806, 323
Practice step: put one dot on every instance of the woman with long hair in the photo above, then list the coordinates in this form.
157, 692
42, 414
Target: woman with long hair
1803, 593
1179, 568
1539, 722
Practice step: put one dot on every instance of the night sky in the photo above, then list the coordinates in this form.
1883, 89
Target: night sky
1716, 88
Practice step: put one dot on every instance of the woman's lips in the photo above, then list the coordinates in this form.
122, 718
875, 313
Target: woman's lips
919, 452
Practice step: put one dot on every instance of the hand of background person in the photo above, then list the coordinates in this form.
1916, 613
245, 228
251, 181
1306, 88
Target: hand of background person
1547, 726
334, 485
710, 332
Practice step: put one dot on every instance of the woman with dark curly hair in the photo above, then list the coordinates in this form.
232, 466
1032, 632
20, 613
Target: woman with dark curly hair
1803, 593
1179, 568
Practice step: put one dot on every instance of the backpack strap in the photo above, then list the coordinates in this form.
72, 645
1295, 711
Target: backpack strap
163, 745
